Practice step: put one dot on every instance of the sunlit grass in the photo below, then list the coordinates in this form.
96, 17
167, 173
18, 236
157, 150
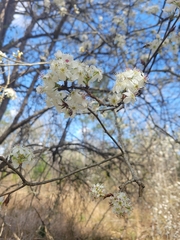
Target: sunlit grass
70, 214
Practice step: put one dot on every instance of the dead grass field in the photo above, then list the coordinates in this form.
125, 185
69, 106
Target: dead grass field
67, 212
69, 215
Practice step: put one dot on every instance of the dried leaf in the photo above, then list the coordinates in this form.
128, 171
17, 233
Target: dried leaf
6, 201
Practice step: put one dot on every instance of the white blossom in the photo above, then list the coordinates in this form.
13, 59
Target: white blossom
17, 54
128, 83
120, 204
64, 69
120, 39
115, 99
120, 21
20, 154
130, 97
59, 2
85, 46
39, 89
2, 55
97, 191
76, 9
94, 106
120, 84
63, 11
173, 4
100, 18
10, 93
47, 3
153, 9
154, 44
63, 82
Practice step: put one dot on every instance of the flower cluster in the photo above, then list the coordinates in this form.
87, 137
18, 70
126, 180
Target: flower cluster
20, 155
17, 55
175, 2
120, 39
2, 55
152, 9
65, 68
62, 6
59, 3
76, 9
67, 86
120, 204
10, 93
97, 191
128, 84
85, 46
171, 8
60, 84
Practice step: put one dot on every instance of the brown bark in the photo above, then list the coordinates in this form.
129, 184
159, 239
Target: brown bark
7, 9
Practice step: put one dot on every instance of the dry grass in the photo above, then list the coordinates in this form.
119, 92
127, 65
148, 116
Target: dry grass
70, 215
61, 212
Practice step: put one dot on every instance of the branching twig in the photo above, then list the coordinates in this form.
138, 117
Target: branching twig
27, 183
